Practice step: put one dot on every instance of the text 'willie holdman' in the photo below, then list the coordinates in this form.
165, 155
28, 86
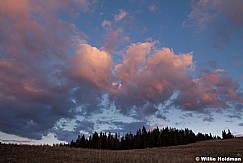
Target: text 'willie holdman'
219, 159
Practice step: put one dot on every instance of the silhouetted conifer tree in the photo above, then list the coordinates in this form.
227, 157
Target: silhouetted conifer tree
227, 135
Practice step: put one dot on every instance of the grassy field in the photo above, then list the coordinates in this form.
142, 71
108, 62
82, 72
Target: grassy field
182, 153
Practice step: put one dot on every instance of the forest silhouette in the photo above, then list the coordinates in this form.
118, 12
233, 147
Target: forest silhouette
143, 139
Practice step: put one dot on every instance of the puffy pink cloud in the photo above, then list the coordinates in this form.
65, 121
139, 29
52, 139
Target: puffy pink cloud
135, 55
92, 65
210, 90
149, 76
152, 75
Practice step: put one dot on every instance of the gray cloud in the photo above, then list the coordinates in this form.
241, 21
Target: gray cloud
208, 119
235, 116
81, 127
221, 17
35, 91
124, 127
161, 116
186, 116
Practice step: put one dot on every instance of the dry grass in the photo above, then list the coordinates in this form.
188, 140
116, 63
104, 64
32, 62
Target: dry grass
183, 153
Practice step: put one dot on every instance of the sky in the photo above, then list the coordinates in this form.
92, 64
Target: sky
75, 67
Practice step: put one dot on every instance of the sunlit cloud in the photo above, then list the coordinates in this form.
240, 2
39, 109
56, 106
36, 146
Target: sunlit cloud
92, 66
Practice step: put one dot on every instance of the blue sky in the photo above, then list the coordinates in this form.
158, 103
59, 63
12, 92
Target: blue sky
71, 67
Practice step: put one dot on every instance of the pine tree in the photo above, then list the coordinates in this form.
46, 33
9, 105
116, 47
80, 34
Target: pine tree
224, 135
228, 135
144, 138
94, 142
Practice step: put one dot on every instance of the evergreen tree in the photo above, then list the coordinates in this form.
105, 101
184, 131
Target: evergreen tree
228, 135
94, 142
224, 135
144, 138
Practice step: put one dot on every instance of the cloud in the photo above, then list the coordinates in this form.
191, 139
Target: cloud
162, 117
149, 76
221, 17
186, 116
80, 127
211, 89
16, 141
92, 66
240, 124
236, 116
124, 127
106, 24
114, 35
85, 5
152, 8
208, 119
199, 16
113, 38
153, 76
121, 15
33, 76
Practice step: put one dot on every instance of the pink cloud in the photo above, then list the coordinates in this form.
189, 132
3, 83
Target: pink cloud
114, 34
92, 65
86, 5
210, 90
149, 76
112, 39
121, 15
152, 75
134, 56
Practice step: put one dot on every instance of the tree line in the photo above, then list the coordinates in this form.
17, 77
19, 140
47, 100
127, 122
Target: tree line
143, 139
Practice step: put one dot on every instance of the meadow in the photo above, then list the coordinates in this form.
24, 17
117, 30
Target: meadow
182, 153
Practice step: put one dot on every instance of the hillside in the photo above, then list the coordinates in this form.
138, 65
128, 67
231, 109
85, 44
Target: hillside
182, 153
